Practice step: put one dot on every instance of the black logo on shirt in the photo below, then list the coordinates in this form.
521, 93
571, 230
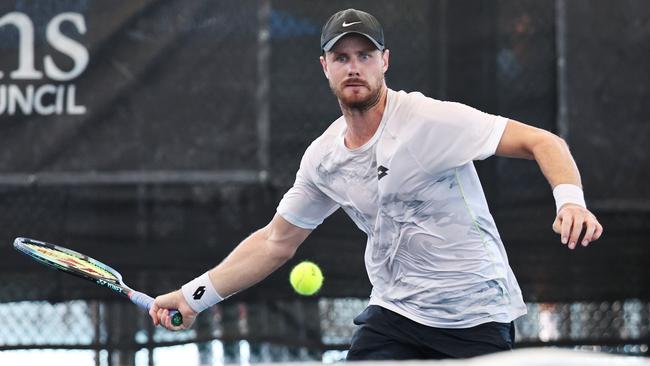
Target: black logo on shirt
199, 293
382, 171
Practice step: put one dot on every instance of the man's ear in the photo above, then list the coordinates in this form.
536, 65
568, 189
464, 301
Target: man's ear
385, 56
323, 63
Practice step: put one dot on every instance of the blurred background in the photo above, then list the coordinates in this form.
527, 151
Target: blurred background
155, 135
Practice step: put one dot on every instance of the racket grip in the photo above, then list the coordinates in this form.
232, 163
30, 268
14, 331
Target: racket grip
145, 302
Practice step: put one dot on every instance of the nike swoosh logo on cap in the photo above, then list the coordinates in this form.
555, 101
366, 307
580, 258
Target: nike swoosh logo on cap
349, 24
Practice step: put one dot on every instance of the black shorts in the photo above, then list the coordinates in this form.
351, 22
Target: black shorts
386, 335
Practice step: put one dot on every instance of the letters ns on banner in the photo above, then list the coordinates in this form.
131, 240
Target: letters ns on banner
43, 98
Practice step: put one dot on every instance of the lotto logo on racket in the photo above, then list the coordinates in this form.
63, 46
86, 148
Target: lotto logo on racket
67, 260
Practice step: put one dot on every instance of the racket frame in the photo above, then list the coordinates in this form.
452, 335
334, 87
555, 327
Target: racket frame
115, 284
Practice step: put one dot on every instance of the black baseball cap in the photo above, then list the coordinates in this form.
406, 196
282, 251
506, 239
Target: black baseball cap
351, 21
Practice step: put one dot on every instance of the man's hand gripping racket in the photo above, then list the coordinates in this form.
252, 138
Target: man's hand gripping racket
81, 265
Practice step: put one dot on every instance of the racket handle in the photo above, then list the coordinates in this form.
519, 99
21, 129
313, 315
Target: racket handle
145, 302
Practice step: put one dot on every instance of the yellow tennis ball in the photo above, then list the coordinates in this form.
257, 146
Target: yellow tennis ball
306, 278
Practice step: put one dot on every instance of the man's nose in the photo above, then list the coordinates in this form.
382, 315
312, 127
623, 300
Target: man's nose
353, 69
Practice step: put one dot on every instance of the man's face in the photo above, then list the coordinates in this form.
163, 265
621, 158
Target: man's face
355, 69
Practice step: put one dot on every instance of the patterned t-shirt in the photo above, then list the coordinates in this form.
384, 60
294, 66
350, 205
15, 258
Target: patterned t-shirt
433, 253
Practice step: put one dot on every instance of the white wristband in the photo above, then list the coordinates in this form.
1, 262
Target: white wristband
568, 193
200, 293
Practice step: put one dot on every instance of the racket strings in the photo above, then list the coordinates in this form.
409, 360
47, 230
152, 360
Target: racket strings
70, 261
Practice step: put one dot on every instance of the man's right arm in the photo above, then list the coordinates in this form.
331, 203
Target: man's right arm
258, 256
251, 261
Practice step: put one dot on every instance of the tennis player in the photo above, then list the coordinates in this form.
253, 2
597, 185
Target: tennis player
400, 165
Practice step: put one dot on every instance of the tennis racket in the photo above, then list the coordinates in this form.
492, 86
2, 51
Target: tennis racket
83, 266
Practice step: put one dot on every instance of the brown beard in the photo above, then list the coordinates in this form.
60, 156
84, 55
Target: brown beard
359, 105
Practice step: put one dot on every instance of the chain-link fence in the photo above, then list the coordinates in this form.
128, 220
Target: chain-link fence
291, 330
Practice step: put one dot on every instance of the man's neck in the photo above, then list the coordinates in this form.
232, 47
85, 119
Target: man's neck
362, 125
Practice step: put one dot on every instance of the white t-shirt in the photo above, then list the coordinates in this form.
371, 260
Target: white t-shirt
433, 253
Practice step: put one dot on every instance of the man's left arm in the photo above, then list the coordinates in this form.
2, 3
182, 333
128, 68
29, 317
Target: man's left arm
554, 158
